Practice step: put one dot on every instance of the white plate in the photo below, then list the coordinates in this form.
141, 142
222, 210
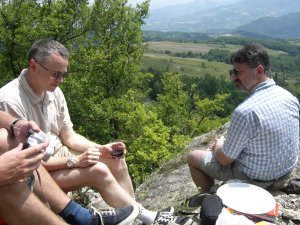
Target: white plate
246, 198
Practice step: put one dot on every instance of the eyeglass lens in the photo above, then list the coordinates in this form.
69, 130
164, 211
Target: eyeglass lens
235, 72
54, 74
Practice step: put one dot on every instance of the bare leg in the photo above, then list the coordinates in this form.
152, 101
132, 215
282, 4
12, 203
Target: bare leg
20, 206
200, 178
98, 176
56, 198
119, 169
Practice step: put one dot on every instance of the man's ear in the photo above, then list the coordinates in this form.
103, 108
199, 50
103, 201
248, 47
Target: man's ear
32, 64
260, 71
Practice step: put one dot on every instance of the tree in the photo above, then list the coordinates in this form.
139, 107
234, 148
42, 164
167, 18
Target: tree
106, 90
204, 118
107, 65
23, 22
173, 102
107, 94
184, 112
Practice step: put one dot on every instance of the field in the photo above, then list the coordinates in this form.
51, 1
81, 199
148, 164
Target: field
185, 66
295, 42
156, 57
161, 46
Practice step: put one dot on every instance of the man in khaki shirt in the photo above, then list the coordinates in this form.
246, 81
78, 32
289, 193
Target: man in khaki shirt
35, 95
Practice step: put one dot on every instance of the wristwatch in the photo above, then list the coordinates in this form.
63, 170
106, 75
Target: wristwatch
70, 162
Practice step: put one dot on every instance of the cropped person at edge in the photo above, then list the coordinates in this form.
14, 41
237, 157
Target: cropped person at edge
19, 205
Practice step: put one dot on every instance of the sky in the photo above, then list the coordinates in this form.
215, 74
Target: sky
154, 4
160, 3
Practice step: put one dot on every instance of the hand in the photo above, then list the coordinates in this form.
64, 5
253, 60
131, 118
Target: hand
22, 128
218, 143
17, 164
108, 150
89, 157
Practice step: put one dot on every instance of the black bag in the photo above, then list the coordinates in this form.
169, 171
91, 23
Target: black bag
196, 200
211, 207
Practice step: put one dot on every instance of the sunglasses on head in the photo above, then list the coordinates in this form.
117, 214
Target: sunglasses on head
235, 72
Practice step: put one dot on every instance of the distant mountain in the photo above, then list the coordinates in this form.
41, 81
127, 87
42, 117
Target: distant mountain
168, 14
207, 16
286, 27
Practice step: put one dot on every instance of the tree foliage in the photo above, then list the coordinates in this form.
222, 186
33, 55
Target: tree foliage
107, 94
184, 111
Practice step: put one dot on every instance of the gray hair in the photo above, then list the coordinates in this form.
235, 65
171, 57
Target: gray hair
253, 55
41, 49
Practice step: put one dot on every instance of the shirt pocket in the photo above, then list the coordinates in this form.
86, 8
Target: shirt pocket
57, 122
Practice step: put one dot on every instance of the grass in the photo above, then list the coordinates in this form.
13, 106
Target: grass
161, 46
184, 66
156, 58
296, 42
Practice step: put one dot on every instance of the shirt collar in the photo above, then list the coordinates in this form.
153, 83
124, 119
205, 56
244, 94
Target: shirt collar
264, 85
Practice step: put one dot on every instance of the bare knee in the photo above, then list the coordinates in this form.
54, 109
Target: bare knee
101, 170
194, 157
118, 167
190, 157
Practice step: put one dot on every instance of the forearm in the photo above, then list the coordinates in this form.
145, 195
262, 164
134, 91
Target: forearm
56, 163
6, 120
219, 155
79, 143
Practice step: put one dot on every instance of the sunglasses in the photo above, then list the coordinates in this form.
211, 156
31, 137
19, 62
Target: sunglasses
55, 74
235, 72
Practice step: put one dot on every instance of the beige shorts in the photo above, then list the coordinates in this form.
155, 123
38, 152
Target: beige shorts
61, 150
225, 173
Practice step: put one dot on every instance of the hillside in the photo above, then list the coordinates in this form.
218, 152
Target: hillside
286, 27
195, 17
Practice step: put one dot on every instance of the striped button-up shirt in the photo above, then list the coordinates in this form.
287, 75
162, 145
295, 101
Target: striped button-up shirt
263, 136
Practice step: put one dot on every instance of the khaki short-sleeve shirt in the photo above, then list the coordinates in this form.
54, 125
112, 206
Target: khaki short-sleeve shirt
50, 111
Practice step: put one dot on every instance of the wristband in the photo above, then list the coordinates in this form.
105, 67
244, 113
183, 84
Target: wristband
12, 126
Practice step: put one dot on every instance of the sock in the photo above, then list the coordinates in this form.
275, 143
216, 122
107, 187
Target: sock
75, 214
146, 216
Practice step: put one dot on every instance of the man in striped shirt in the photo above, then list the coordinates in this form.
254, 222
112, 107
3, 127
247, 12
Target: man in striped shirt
262, 141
